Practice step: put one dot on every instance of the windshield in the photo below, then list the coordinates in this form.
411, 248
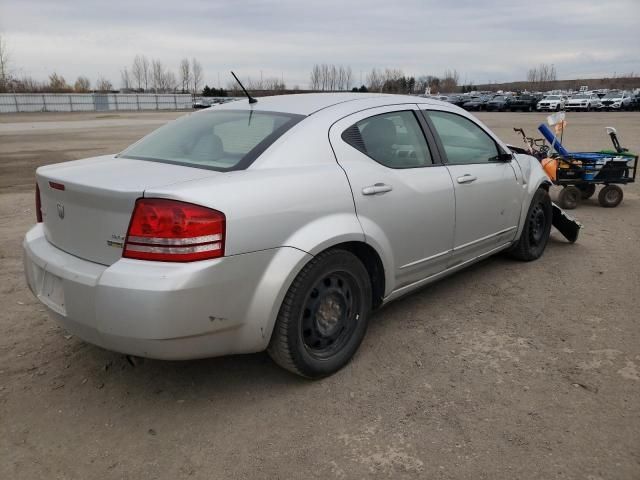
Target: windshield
613, 95
498, 97
553, 97
218, 139
580, 97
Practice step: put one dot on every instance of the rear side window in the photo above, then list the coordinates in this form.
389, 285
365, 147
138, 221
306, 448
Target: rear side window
218, 139
393, 139
463, 141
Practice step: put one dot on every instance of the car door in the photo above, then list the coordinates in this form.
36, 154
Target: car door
403, 194
488, 192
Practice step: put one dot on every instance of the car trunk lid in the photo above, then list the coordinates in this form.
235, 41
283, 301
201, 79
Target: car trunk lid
87, 204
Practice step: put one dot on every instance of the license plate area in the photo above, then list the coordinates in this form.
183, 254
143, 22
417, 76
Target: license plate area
51, 291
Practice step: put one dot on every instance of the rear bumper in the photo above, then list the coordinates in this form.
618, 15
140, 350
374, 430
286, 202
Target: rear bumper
163, 310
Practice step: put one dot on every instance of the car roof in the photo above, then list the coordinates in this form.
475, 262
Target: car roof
310, 103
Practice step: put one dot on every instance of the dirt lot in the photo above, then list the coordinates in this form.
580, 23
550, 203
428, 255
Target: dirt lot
507, 370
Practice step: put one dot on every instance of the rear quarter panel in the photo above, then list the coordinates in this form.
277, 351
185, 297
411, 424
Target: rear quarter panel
294, 195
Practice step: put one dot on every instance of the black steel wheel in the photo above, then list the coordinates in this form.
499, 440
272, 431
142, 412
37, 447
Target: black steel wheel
537, 228
329, 314
569, 197
324, 315
587, 190
610, 196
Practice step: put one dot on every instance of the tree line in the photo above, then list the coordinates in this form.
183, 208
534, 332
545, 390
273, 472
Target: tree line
143, 76
326, 77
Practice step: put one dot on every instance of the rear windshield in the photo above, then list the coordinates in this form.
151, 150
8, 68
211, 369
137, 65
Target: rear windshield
217, 139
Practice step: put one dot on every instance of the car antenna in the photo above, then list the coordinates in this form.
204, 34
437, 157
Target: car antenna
251, 99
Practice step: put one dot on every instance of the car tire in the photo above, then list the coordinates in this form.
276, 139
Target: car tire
569, 197
610, 196
324, 315
537, 228
587, 190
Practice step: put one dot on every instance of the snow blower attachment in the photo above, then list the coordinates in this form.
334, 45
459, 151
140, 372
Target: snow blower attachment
568, 226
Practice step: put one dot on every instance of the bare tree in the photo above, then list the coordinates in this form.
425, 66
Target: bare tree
125, 79
157, 75
330, 77
374, 81
57, 83
314, 80
542, 74
449, 82
103, 85
185, 75
141, 72
169, 82
137, 72
4, 65
82, 84
196, 75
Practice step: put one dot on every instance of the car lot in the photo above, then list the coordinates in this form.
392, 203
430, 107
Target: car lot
507, 370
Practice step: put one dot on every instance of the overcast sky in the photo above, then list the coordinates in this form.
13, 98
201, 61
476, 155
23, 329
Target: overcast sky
490, 40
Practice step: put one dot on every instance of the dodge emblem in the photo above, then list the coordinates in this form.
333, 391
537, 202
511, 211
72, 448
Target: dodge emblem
60, 211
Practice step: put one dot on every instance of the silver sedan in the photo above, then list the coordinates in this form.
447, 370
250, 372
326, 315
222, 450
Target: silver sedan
276, 225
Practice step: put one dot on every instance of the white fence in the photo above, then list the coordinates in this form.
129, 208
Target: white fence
91, 102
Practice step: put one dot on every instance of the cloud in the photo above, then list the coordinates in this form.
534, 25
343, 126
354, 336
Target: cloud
492, 40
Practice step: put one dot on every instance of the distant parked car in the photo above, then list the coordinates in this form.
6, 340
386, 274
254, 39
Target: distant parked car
583, 101
475, 103
551, 102
525, 102
616, 101
635, 102
458, 100
500, 103
201, 103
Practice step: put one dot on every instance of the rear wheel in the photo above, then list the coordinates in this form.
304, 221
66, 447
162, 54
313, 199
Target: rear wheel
536, 230
587, 190
610, 196
569, 197
324, 315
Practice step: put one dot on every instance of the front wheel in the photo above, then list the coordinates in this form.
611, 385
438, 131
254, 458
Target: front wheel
324, 315
536, 230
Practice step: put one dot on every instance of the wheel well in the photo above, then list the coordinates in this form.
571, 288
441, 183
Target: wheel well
545, 185
371, 260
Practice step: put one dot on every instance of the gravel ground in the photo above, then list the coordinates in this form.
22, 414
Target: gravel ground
507, 370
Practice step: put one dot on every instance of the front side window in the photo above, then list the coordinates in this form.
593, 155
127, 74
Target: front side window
217, 139
392, 139
463, 141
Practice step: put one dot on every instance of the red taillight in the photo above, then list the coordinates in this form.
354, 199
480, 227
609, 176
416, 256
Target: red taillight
38, 205
172, 231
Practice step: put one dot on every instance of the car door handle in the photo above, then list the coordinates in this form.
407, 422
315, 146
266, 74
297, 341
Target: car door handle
468, 178
377, 188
